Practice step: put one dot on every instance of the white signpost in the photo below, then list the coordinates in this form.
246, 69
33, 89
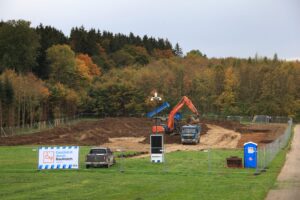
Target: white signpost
66, 157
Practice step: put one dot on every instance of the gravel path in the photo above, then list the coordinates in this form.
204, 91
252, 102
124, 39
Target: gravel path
288, 180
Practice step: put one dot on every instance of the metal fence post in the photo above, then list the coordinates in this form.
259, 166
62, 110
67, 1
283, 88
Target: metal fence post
257, 171
121, 169
208, 160
165, 160
264, 167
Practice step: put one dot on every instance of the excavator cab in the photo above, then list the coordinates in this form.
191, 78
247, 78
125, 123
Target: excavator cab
163, 128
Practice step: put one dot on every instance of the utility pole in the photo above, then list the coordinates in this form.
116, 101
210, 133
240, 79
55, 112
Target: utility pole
156, 98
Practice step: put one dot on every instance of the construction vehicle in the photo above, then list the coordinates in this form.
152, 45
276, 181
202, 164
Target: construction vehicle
173, 127
190, 134
159, 109
99, 156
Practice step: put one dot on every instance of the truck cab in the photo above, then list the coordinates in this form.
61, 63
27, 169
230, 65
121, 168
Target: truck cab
99, 156
190, 134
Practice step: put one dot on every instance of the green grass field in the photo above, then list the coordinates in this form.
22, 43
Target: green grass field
185, 175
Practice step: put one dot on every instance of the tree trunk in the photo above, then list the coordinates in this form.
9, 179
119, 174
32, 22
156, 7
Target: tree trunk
1, 115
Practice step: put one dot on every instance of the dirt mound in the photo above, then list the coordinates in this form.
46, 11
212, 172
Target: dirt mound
98, 132
220, 137
214, 134
85, 132
231, 125
261, 133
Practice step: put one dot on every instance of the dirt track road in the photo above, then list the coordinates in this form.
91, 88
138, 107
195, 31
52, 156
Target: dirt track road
288, 180
216, 137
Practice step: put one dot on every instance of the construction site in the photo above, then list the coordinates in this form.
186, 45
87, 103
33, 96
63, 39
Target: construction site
196, 152
133, 134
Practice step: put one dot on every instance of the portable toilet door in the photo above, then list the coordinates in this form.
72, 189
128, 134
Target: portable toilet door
250, 155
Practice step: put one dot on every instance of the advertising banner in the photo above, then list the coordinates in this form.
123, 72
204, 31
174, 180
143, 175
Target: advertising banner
66, 157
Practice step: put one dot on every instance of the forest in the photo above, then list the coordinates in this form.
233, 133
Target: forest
45, 74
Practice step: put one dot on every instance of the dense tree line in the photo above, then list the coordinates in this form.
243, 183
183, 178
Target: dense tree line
224, 86
23, 48
45, 74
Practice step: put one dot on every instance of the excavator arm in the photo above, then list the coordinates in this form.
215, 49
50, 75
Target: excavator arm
170, 124
184, 101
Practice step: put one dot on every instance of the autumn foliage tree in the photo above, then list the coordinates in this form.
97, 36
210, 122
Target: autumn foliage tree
25, 98
45, 75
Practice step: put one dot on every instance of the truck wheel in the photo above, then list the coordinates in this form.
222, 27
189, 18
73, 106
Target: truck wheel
87, 166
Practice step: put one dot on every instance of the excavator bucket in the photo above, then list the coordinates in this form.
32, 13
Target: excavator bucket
193, 119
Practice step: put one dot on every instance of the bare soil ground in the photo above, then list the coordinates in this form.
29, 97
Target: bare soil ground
133, 134
260, 133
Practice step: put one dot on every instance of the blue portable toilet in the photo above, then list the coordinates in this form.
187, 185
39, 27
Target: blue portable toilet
250, 155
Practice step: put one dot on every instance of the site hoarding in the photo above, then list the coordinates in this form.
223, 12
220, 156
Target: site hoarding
61, 157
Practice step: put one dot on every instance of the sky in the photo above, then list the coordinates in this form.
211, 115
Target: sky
218, 28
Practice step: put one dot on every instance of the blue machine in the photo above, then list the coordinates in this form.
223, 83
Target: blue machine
158, 109
178, 116
250, 155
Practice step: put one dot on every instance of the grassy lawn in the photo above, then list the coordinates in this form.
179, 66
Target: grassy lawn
185, 175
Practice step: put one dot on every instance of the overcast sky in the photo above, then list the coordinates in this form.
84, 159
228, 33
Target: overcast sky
218, 28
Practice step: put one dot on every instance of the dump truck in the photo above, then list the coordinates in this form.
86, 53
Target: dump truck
99, 157
190, 134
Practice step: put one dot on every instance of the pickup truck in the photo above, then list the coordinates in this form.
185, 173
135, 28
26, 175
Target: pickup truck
99, 157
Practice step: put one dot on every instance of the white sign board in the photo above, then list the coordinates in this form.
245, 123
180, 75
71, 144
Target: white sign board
66, 157
157, 146
250, 150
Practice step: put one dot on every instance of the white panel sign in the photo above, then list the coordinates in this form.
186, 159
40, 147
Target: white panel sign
250, 150
66, 157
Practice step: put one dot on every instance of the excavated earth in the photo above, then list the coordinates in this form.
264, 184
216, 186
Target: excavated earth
129, 133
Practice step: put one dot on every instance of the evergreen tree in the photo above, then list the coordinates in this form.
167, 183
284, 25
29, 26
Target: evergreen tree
18, 46
8, 91
79, 40
2, 99
48, 36
275, 58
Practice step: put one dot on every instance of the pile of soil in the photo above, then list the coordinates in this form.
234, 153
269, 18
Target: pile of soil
231, 125
85, 132
98, 133
261, 134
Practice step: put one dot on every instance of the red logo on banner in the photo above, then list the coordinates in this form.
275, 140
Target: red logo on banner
48, 156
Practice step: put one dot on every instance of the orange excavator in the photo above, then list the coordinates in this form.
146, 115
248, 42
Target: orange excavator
170, 127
